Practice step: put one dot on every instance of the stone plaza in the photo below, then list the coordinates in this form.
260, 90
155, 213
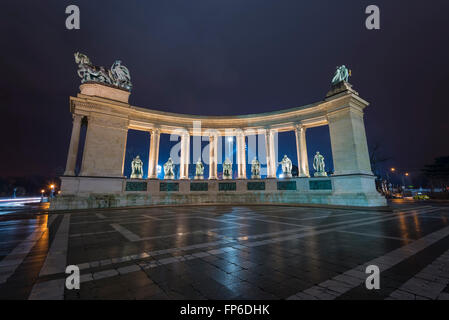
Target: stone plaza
227, 252
228, 235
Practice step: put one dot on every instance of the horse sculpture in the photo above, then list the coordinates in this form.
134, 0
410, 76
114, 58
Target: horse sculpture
118, 75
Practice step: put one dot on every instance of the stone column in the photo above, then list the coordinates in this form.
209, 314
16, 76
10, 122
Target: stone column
154, 154
185, 155
271, 154
213, 158
74, 144
241, 155
301, 149
105, 146
348, 141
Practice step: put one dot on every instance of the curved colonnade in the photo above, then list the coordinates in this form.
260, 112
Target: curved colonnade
109, 117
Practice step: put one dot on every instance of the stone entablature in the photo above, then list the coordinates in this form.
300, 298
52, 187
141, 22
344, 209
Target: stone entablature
312, 115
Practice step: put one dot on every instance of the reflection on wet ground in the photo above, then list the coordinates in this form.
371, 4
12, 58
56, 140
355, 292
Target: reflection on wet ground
226, 252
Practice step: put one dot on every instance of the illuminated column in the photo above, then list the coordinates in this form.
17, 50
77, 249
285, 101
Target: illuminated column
185, 155
241, 156
213, 158
348, 141
105, 146
154, 154
271, 154
73, 148
301, 149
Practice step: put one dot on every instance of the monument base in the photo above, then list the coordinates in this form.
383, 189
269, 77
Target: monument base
98, 192
198, 178
227, 177
256, 176
320, 174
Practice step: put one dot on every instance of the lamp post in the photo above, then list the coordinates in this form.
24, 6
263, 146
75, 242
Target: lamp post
52, 194
42, 195
403, 175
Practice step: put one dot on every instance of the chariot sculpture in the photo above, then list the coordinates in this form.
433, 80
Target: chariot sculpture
117, 76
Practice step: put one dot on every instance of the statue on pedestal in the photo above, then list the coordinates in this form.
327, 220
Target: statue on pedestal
255, 169
168, 170
199, 172
137, 168
286, 167
117, 76
227, 169
318, 165
341, 74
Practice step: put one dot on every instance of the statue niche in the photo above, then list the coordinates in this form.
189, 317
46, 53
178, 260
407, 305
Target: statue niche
286, 167
255, 169
318, 165
199, 170
168, 170
227, 169
137, 168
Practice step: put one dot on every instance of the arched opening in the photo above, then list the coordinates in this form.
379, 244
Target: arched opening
137, 144
318, 139
82, 142
287, 146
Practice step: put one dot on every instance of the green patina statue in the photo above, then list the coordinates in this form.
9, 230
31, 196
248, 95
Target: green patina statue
341, 74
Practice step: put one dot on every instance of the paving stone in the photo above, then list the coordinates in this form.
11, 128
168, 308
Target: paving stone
105, 274
128, 269
264, 255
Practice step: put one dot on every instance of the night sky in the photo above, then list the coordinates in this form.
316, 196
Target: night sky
228, 57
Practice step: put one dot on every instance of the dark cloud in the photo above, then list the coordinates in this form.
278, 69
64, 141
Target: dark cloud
226, 57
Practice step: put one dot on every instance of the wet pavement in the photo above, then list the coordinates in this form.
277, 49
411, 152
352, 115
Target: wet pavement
227, 252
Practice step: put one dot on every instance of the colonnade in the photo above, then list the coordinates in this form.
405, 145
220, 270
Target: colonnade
108, 122
240, 135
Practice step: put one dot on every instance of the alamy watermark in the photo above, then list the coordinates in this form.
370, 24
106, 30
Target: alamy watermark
373, 280
73, 280
73, 20
372, 22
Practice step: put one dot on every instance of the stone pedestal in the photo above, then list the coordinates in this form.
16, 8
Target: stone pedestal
104, 147
320, 174
86, 192
201, 177
253, 176
342, 87
104, 91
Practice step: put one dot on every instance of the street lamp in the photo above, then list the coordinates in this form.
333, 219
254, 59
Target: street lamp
42, 195
52, 187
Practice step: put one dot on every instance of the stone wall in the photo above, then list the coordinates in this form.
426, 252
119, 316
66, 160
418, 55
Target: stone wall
351, 190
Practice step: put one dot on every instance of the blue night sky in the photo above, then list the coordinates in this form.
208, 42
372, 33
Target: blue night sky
231, 57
